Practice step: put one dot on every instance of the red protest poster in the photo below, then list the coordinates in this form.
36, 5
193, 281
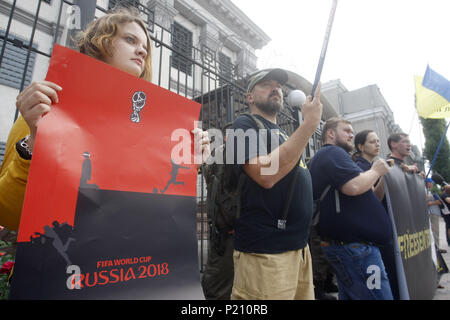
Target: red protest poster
110, 209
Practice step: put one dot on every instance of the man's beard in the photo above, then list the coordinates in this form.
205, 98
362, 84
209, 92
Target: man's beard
270, 107
345, 145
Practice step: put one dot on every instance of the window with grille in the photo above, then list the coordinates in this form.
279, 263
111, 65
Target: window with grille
145, 13
225, 68
181, 43
13, 62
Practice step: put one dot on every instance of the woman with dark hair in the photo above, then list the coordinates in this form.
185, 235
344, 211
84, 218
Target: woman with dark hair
367, 148
120, 39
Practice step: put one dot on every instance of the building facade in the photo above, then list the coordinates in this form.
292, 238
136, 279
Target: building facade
366, 108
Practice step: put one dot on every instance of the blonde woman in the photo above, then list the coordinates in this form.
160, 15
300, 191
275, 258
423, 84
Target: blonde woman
120, 39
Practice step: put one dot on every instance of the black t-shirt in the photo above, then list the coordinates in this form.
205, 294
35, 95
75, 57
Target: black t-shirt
256, 229
362, 218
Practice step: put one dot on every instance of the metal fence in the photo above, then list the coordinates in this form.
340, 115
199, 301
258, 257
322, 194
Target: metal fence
195, 73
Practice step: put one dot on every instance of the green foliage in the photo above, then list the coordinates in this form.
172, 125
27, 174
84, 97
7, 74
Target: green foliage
433, 129
436, 189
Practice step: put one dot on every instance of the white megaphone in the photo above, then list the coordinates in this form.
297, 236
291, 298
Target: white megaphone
296, 98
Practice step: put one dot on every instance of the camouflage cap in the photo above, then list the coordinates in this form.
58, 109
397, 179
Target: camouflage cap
279, 75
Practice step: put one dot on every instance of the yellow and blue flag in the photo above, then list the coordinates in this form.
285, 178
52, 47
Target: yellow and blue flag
434, 81
432, 95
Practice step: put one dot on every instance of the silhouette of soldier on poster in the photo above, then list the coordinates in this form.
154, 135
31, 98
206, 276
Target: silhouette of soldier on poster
173, 176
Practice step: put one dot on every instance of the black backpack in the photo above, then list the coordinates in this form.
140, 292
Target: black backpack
224, 194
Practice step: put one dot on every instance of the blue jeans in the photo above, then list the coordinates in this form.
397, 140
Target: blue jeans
360, 271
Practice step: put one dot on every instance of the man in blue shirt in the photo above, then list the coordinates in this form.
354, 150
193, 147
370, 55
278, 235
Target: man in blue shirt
272, 261
353, 222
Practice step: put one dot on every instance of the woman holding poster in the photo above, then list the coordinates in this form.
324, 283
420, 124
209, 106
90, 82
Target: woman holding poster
120, 39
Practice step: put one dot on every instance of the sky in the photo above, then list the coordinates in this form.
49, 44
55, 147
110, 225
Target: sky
382, 42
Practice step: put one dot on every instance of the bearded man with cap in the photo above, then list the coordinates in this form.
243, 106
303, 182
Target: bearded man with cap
272, 261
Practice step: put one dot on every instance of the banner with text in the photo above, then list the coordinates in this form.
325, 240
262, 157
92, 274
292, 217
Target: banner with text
406, 202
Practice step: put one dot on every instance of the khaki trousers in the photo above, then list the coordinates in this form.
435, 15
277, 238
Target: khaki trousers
283, 276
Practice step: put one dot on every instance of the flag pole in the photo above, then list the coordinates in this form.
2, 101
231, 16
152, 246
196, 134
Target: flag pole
282, 221
324, 48
438, 149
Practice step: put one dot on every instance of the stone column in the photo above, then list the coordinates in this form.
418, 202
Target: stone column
209, 36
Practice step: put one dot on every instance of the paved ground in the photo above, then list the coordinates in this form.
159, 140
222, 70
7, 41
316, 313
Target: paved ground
444, 294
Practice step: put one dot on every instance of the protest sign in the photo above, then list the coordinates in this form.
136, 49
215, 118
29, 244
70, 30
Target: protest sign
110, 208
407, 205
